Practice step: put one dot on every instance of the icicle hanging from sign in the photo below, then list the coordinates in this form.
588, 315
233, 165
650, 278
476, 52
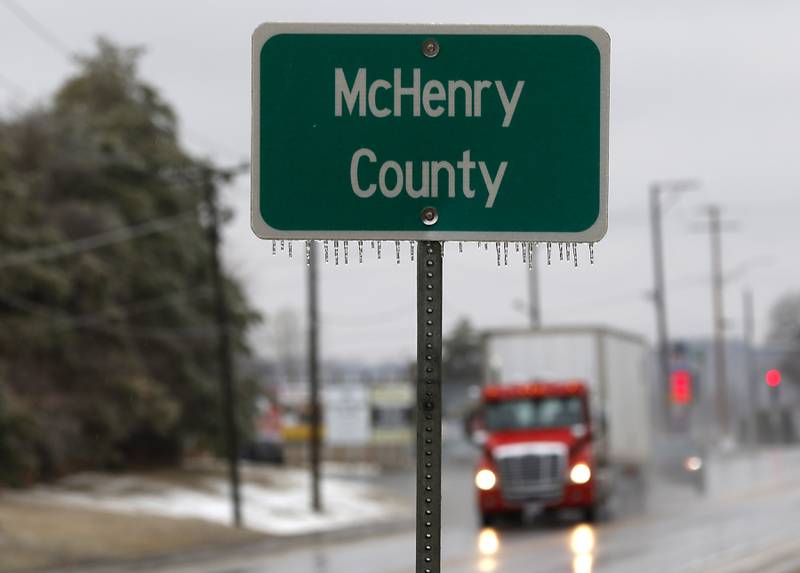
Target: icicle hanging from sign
527, 249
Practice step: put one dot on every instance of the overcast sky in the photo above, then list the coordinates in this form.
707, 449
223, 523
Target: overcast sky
707, 90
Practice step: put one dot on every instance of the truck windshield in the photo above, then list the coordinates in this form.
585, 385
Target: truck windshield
553, 412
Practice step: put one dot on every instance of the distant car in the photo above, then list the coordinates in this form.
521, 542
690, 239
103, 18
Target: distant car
267, 445
265, 451
681, 458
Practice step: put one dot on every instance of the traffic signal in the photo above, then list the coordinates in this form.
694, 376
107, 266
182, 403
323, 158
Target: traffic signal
680, 386
773, 378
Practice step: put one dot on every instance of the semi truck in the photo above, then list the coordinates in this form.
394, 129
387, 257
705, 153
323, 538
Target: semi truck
563, 411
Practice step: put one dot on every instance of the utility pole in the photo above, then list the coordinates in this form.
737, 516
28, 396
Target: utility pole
313, 377
660, 299
718, 317
752, 382
659, 284
534, 308
225, 359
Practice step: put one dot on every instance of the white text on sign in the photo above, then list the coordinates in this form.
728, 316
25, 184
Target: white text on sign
434, 98
428, 98
429, 177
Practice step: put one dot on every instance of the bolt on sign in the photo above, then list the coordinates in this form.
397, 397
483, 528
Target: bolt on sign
430, 132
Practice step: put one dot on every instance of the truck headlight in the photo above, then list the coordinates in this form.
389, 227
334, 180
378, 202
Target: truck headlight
485, 479
580, 473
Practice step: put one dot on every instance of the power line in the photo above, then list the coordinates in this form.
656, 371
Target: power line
213, 144
137, 332
67, 320
39, 29
64, 321
31, 308
119, 235
45, 34
386, 313
175, 298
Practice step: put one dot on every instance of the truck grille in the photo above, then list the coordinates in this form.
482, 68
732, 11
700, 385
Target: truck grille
532, 475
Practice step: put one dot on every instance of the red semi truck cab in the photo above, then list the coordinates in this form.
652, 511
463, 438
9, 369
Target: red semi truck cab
540, 450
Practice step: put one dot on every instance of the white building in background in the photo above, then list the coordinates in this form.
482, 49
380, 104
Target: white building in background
361, 421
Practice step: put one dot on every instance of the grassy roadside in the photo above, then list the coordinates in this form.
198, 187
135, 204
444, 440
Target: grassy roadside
36, 535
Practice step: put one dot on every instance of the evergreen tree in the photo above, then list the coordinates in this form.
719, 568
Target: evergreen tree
107, 348
462, 356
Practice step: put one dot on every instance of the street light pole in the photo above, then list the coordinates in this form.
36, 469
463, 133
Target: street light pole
659, 283
718, 317
749, 322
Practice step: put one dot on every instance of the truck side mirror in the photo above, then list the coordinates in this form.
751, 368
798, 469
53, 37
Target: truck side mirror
473, 427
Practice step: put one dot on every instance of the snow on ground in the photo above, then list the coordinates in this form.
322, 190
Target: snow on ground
275, 500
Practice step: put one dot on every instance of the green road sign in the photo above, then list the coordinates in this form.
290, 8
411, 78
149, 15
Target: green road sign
430, 132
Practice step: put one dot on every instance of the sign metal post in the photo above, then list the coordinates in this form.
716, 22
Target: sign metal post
313, 379
429, 406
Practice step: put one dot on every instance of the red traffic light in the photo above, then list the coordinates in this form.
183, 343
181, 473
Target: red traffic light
680, 386
773, 378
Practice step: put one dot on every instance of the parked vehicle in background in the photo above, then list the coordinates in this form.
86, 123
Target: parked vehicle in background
563, 411
267, 444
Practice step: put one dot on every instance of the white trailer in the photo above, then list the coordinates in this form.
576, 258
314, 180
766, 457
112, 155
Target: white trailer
613, 364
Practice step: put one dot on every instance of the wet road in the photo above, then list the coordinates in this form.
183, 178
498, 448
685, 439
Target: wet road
749, 521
